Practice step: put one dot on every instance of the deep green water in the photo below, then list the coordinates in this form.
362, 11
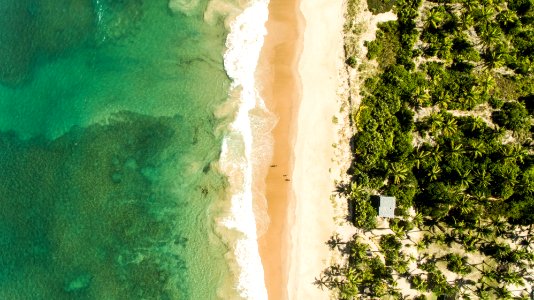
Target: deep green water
107, 139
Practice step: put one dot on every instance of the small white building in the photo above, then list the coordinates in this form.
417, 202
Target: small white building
386, 206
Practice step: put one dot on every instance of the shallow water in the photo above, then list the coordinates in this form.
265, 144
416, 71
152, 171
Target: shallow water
108, 145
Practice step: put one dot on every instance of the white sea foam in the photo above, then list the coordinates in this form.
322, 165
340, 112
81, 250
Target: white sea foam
244, 44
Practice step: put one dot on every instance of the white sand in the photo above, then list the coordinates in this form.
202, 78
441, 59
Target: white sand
313, 181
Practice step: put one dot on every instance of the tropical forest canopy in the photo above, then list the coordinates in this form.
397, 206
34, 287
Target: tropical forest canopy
445, 126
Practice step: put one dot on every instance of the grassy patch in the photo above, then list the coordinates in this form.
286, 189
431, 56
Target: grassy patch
380, 6
386, 45
506, 87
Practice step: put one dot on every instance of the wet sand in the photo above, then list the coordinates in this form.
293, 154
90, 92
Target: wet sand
281, 91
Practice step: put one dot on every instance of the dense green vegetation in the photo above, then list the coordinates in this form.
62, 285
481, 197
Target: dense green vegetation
380, 6
445, 127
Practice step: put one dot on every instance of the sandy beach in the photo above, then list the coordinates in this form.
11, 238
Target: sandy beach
299, 74
281, 90
314, 169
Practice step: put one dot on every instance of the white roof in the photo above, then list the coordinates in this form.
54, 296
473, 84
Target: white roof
386, 207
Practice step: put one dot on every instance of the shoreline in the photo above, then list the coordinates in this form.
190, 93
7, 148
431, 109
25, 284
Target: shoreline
299, 68
238, 154
282, 91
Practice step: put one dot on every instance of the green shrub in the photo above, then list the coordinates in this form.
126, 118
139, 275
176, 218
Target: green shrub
513, 116
380, 6
351, 61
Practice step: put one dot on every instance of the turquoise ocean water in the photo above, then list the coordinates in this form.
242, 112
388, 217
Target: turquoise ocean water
108, 142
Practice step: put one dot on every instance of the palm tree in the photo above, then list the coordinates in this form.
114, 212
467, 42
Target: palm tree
483, 291
470, 100
330, 277
509, 169
483, 177
490, 35
444, 98
420, 97
478, 123
478, 148
513, 153
457, 264
438, 282
379, 288
456, 149
417, 220
436, 122
490, 3
399, 171
487, 83
469, 243
470, 5
419, 283
420, 245
432, 224
463, 284
465, 206
483, 14
465, 180
335, 241
466, 21
437, 79
420, 156
527, 184
450, 127
434, 17
502, 293
443, 50
321, 282
437, 155
439, 238
511, 277
349, 288
508, 19
500, 226
493, 59
434, 172
358, 250
356, 190
484, 231
402, 266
